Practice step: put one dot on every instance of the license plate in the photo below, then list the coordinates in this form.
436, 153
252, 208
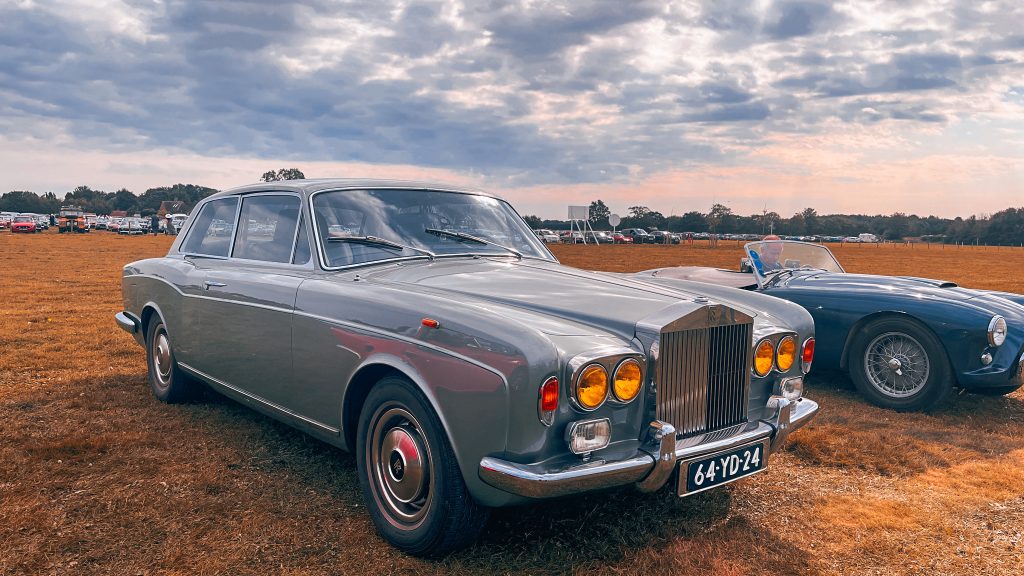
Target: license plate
721, 468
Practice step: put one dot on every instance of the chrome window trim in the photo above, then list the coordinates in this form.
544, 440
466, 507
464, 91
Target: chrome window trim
322, 258
242, 198
191, 224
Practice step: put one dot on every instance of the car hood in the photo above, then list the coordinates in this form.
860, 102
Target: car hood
555, 299
870, 283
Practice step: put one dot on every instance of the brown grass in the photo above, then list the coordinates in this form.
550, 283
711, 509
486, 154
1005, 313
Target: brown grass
97, 477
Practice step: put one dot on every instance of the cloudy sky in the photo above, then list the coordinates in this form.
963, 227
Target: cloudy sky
867, 107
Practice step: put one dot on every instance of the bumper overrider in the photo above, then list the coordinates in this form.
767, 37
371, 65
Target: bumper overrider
656, 461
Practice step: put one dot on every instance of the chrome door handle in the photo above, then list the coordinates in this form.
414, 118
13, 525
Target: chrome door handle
211, 284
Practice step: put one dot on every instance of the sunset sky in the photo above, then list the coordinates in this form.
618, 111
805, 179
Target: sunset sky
858, 107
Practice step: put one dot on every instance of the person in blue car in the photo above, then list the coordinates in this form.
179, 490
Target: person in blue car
771, 254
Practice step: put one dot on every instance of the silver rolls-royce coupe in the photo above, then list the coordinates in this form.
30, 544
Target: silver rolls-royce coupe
427, 329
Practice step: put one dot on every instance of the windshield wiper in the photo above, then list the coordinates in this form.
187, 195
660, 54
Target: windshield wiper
774, 276
471, 238
375, 241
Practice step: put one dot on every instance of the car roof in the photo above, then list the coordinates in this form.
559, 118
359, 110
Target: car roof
309, 186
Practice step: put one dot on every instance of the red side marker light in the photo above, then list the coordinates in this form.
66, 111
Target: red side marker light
808, 354
431, 323
548, 403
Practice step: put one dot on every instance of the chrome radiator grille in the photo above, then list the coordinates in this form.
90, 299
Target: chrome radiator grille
703, 377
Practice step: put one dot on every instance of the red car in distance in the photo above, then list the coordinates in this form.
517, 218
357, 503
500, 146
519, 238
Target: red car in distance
23, 224
620, 238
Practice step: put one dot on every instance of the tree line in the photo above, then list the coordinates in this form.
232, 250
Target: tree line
1002, 228
100, 202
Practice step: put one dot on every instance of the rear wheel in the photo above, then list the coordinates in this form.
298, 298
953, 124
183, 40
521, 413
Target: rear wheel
899, 364
409, 476
166, 380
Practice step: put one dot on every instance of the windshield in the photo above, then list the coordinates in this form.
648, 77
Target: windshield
772, 256
412, 219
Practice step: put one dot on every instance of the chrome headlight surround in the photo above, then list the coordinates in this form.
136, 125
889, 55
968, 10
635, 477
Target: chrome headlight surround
997, 331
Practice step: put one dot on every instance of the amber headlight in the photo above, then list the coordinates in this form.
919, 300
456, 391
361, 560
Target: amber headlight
626, 383
785, 355
764, 355
592, 386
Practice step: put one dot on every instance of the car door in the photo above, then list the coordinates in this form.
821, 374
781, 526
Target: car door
204, 245
249, 300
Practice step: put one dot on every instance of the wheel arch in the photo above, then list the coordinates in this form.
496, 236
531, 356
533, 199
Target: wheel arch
859, 325
469, 439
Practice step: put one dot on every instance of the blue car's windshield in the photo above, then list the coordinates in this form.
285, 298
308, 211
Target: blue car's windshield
772, 256
359, 226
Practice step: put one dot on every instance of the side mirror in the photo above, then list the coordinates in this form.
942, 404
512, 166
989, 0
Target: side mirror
745, 265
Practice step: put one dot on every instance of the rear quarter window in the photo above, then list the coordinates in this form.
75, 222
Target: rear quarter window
213, 229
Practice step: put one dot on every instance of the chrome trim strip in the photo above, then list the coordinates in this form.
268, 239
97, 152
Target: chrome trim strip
361, 327
253, 397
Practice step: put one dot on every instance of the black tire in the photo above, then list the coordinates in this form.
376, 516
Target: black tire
995, 390
167, 381
899, 364
432, 514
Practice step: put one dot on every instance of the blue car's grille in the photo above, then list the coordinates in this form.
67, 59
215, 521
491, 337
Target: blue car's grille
703, 377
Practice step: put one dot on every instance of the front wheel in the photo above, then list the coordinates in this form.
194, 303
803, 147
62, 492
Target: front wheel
409, 476
900, 365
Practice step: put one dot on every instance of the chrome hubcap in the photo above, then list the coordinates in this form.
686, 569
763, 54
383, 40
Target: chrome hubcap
399, 460
896, 364
162, 359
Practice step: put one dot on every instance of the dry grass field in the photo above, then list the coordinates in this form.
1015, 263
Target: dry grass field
96, 477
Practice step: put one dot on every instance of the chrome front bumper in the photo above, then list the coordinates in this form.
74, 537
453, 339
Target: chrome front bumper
654, 463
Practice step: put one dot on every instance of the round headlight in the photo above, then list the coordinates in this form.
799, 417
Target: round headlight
626, 381
997, 331
592, 386
764, 354
785, 355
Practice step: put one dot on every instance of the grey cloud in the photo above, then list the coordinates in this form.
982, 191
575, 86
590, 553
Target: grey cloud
792, 18
211, 85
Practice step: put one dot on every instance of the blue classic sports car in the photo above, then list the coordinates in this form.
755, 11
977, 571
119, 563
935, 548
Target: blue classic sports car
906, 342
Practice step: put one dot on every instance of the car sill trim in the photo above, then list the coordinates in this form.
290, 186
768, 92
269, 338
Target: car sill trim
276, 407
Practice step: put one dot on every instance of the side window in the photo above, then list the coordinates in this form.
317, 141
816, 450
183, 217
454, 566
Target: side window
266, 228
212, 230
301, 245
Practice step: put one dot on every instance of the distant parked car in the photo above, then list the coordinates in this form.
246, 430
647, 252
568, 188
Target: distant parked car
437, 338
620, 238
133, 226
547, 236
604, 237
639, 235
573, 237
664, 237
24, 223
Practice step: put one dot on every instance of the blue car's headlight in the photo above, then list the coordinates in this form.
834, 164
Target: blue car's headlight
997, 331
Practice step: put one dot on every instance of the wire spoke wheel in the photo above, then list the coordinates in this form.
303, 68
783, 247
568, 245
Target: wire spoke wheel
896, 364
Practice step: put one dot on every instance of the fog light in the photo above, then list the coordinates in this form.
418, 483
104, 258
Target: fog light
589, 435
986, 359
791, 388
